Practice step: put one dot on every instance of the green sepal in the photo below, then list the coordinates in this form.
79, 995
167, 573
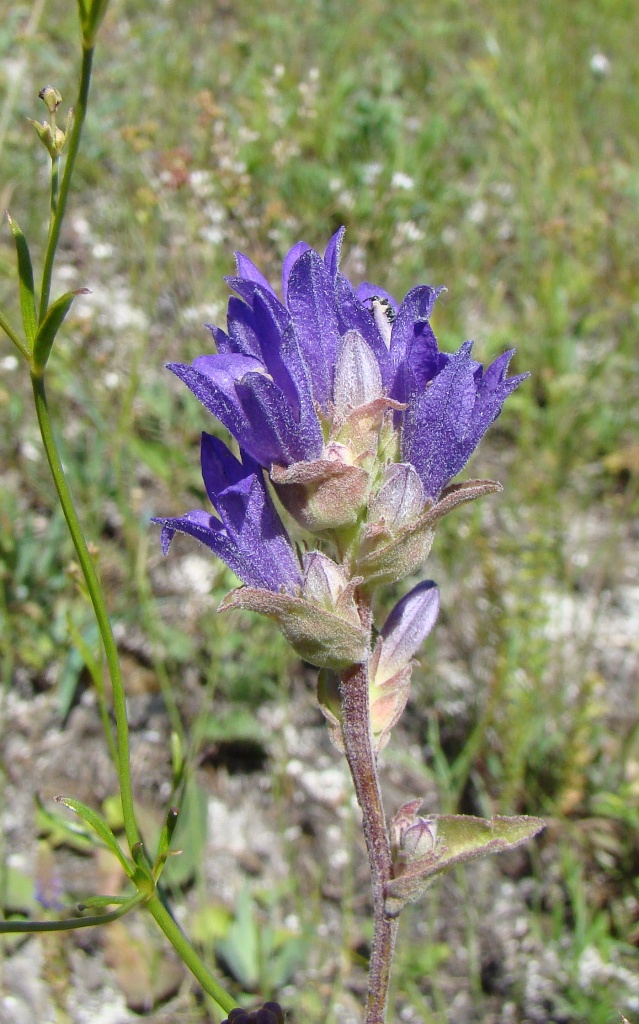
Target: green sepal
460, 838
26, 285
49, 328
100, 827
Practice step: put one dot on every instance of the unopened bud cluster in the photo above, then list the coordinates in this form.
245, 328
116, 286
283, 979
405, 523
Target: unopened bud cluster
269, 1013
51, 136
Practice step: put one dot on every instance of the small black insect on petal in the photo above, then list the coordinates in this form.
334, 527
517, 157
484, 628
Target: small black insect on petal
387, 309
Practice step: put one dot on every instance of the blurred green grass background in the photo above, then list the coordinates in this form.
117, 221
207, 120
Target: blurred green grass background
490, 147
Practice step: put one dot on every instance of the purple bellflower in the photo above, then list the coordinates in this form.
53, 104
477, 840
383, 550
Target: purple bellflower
341, 401
248, 535
289, 375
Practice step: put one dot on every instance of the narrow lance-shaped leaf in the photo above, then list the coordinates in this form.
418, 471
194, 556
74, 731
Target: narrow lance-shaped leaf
458, 838
100, 827
49, 328
26, 285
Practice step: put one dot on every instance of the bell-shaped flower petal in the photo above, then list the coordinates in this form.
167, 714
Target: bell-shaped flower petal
445, 423
311, 301
248, 535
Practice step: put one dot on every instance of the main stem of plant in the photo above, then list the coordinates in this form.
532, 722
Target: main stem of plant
360, 754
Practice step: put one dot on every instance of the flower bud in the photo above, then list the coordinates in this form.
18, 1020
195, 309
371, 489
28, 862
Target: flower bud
412, 836
410, 621
358, 380
51, 136
51, 98
399, 500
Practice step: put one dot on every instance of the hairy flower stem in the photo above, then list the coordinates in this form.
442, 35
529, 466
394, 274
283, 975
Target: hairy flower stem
358, 741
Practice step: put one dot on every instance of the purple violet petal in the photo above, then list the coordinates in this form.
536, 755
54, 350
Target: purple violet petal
407, 626
222, 340
353, 316
269, 334
220, 468
446, 422
243, 338
291, 257
247, 269
308, 421
252, 522
311, 301
333, 252
413, 343
275, 435
220, 399
247, 290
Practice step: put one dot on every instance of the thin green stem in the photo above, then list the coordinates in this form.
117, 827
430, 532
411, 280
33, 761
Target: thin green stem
188, 955
99, 608
60, 207
71, 923
14, 336
55, 184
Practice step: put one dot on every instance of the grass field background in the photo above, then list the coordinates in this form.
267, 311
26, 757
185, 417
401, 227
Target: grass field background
490, 147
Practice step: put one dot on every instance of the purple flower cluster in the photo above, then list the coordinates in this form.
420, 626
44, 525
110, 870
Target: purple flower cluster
288, 381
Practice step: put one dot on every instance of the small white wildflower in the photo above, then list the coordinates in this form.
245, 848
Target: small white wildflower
29, 451
476, 213
600, 65
371, 172
102, 250
403, 181
9, 363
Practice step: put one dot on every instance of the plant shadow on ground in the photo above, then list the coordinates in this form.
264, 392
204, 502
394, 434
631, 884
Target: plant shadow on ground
489, 147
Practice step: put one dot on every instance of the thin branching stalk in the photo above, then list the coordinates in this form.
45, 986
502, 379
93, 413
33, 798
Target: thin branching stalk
99, 607
187, 954
58, 207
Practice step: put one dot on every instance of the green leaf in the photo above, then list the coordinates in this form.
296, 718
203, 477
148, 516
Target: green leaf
27, 288
100, 827
60, 832
49, 328
460, 838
